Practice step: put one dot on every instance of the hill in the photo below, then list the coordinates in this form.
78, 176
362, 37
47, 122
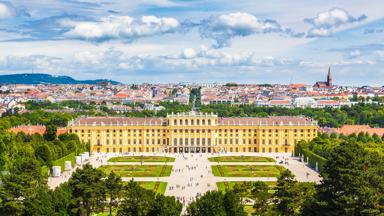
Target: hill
29, 78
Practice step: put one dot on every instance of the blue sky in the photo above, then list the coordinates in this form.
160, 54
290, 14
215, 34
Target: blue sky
274, 41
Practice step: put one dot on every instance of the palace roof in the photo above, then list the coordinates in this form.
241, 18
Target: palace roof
130, 121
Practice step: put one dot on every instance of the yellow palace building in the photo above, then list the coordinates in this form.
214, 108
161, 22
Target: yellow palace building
193, 132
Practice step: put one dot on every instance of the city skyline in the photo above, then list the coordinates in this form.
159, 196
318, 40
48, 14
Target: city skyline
193, 41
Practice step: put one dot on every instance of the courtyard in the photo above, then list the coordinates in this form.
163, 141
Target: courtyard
186, 176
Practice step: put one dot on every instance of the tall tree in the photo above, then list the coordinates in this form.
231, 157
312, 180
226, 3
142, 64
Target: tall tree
261, 197
113, 186
50, 132
165, 206
214, 203
40, 204
88, 191
210, 204
352, 183
243, 190
136, 201
233, 204
283, 197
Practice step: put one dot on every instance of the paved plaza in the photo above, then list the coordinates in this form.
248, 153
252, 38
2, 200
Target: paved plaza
192, 174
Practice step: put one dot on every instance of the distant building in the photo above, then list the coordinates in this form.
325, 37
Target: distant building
355, 129
32, 129
303, 102
326, 84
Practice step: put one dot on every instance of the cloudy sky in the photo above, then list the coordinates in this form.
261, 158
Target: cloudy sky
245, 41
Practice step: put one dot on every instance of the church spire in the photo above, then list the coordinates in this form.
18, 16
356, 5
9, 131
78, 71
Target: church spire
329, 77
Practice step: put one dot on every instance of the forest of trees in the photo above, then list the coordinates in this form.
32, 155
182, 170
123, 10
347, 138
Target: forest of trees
88, 191
43, 150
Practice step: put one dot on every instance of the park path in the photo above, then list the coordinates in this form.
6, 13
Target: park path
241, 179
139, 163
243, 163
191, 176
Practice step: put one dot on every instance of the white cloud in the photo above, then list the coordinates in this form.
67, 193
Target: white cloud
39, 63
352, 54
6, 11
226, 26
120, 27
319, 32
325, 22
87, 57
188, 53
379, 55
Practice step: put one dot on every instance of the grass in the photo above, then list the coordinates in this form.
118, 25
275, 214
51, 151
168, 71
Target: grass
138, 170
151, 186
247, 170
61, 161
241, 159
142, 159
249, 209
221, 185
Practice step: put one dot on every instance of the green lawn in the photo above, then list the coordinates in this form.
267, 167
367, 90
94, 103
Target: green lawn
241, 159
61, 161
247, 170
222, 187
151, 186
138, 170
249, 209
142, 159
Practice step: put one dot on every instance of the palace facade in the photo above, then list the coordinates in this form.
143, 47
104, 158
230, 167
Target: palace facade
193, 132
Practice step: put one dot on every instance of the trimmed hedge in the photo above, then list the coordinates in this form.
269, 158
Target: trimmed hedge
61, 162
311, 158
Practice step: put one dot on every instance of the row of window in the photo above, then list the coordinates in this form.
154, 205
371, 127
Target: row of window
186, 141
231, 149
193, 122
220, 131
